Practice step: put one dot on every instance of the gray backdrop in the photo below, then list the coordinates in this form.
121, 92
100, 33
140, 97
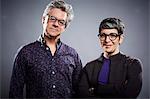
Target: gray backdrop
0, 48
21, 24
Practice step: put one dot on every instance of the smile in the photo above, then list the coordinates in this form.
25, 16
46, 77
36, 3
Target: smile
52, 29
107, 45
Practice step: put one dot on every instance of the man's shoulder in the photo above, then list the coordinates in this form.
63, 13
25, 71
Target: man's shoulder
32, 44
29, 46
68, 48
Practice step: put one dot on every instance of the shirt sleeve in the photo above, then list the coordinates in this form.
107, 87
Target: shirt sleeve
18, 76
76, 73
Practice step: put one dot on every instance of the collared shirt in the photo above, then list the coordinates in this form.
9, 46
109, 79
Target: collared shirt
44, 75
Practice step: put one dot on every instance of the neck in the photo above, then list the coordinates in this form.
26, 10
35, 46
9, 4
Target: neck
51, 40
51, 43
109, 54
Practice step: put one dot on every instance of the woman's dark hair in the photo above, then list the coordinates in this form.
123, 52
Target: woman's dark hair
112, 23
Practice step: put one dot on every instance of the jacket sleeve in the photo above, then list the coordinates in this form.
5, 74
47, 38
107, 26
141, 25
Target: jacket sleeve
130, 88
133, 84
85, 88
18, 77
83, 85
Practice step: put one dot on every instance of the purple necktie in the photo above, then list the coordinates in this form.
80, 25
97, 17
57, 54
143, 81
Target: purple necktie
104, 72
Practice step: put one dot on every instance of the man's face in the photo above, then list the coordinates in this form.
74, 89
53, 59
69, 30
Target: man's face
110, 40
55, 22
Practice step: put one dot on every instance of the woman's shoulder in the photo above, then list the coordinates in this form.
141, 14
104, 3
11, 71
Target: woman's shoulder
131, 59
132, 62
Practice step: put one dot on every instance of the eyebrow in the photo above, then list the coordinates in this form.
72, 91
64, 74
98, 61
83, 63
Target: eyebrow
109, 33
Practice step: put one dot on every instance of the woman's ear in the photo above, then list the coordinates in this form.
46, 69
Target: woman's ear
121, 39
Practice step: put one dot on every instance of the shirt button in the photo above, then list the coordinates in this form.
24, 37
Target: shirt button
54, 86
47, 48
53, 72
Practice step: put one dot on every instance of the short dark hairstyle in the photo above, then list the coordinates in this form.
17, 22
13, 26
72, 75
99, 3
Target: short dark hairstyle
112, 23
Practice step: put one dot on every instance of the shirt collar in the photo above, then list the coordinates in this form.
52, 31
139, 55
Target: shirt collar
43, 42
114, 57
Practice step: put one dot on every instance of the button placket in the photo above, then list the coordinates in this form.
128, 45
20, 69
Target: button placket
53, 72
47, 48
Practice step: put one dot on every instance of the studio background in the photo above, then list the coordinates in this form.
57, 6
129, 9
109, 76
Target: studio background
21, 24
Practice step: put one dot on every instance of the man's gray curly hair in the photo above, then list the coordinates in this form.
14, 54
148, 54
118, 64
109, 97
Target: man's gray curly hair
60, 4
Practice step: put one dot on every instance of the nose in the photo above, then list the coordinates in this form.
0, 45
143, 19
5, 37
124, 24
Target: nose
107, 39
55, 24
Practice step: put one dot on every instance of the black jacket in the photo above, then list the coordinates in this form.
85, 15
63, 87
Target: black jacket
125, 78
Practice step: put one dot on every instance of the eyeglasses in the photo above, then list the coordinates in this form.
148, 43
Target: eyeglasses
112, 36
54, 19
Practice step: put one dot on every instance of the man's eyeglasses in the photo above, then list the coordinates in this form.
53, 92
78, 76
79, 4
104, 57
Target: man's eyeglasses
112, 36
54, 19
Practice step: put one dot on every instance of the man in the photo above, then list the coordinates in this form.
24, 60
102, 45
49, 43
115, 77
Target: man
113, 74
48, 67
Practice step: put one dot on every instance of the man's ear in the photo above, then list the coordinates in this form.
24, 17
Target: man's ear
44, 22
121, 39
43, 19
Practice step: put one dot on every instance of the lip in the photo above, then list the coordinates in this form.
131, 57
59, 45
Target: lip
107, 45
52, 29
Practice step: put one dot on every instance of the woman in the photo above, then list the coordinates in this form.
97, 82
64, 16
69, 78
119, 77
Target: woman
113, 74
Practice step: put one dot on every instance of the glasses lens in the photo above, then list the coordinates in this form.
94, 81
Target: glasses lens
61, 22
52, 18
113, 36
102, 36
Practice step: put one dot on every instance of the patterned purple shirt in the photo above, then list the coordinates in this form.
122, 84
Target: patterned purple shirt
44, 75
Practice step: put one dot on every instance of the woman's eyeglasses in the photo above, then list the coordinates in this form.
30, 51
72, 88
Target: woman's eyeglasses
112, 36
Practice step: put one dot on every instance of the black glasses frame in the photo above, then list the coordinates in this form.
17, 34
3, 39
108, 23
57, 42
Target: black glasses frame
54, 19
112, 36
